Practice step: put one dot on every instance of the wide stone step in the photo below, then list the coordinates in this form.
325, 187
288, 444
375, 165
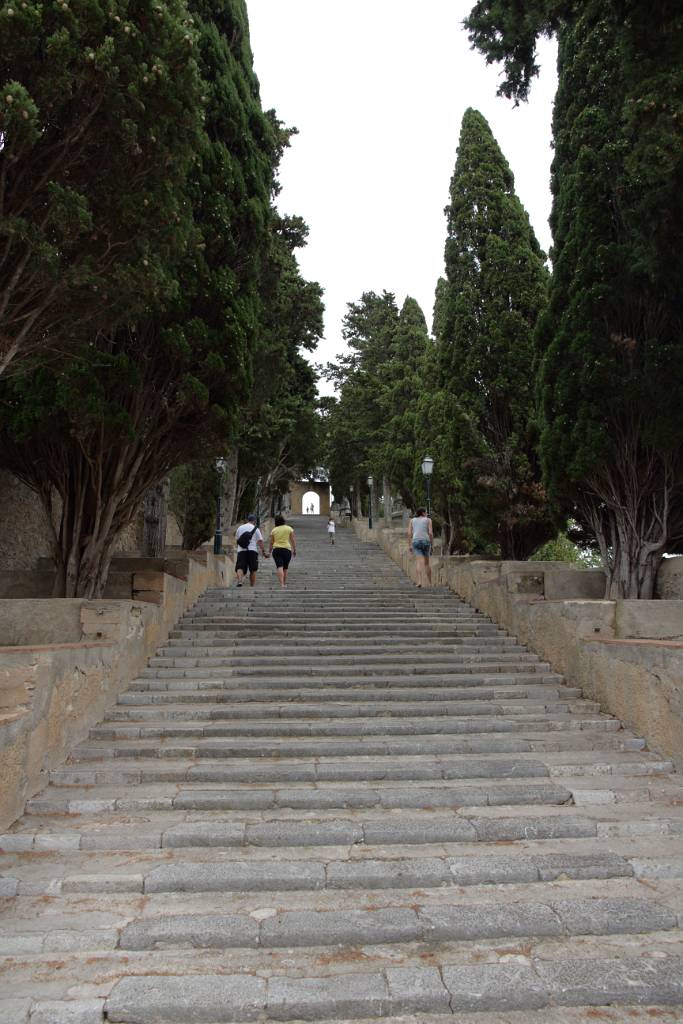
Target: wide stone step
333, 663
245, 647
323, 624
563, 763
293, 929
309, 875
222, 998
183, 691
396, 829
347, 747
408, 768
446, 676
302, 710
356, 726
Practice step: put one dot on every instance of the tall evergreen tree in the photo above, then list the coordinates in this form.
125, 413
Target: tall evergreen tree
153, 393
358, 423
101, 109
611, 344
495, 291
402, 382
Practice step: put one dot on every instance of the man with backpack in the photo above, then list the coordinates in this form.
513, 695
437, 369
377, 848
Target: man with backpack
249, 541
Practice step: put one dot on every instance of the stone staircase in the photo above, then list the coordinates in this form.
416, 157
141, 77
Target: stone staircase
353, 800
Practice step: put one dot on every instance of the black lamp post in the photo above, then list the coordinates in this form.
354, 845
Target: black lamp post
427, 470
351, 490
218, 536
370, 483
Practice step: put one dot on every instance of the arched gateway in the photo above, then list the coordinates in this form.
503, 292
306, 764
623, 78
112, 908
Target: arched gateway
304, 493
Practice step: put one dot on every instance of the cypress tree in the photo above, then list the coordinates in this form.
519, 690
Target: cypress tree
151, 394
101, 110
403, 386
611, 344
496, 284
358, 423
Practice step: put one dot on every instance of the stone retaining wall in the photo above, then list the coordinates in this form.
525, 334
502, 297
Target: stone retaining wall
628, 655
65, 661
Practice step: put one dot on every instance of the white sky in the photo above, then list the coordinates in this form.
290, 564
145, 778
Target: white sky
377, 89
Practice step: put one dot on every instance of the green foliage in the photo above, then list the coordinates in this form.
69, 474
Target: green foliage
194, 488
611, 344
279, 432
485, 315
507, 32
562, 549
134, 401
358, 427
403, 385
101, 115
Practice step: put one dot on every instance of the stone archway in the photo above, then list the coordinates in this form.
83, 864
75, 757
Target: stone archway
302, 493
310, 503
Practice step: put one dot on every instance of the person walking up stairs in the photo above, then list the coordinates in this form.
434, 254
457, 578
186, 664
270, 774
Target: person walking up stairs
353, 801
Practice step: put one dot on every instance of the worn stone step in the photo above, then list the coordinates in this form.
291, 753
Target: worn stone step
356, 726
401, 924
215, 999
561, 764
142, 691
246, 702
328, 665
428, 827
400, 873
283, 712
446, 677
216, 748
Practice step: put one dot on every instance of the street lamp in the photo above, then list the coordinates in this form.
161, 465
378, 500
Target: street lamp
370, 483
351, 490
218, 535
427, 470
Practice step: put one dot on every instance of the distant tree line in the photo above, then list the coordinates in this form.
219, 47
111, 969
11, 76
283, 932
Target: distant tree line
152, 313
545, 395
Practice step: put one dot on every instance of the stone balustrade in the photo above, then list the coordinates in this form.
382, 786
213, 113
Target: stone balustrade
63, 661
628, 655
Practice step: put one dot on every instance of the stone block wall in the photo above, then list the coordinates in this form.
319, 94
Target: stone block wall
65, 661
25, 533
628, 655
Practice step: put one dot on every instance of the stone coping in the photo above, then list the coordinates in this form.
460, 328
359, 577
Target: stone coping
633, 642
12, 649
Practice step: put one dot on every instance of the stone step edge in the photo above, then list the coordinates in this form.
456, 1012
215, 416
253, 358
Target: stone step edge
313, 876
533, 984
303, 834
399, 924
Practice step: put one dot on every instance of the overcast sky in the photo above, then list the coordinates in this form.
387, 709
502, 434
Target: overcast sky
377, 89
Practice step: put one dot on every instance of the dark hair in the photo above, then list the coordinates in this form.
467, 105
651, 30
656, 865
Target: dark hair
279, 520
421, 512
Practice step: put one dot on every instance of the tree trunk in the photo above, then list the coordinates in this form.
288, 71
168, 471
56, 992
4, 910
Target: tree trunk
386, 487
635, 509
155, 512
230, 487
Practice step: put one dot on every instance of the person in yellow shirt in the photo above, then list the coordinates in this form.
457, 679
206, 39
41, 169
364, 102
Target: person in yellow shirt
282, 548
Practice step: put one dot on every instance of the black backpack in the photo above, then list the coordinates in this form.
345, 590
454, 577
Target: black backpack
244, 539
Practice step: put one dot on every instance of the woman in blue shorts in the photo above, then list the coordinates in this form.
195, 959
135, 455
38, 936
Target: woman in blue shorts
421, 538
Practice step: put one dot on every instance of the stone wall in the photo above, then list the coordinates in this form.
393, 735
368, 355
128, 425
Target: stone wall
628, 655
25, 533
670, 578
69, 661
